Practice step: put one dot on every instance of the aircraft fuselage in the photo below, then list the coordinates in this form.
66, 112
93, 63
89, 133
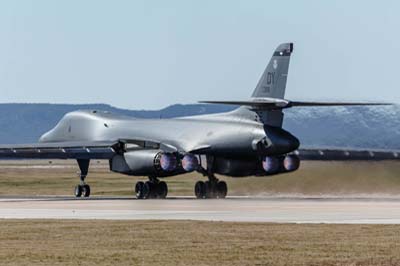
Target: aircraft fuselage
231, 139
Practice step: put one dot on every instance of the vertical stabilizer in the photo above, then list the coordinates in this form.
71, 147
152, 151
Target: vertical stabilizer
268, 97
272, 83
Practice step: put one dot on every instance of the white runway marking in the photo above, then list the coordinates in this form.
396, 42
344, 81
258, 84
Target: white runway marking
347, 211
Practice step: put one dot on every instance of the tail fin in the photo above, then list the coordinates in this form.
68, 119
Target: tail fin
268, 97
272, 83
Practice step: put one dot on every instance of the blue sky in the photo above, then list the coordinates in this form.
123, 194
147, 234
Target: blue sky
149, 54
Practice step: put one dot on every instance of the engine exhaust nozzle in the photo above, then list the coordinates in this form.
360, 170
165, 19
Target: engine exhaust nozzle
166, 161
190, 162
270, 164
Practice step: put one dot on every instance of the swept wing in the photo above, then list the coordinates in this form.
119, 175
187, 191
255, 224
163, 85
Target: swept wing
78, 150
335, 154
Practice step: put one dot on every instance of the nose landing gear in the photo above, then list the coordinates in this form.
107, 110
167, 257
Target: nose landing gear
83, 189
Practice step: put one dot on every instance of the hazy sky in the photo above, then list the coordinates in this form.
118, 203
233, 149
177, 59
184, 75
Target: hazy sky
149, 54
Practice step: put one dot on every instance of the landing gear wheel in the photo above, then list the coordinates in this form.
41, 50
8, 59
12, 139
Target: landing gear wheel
148, 190
139, 190
151, 189
199, 189
222, 189
82, 191
78, 191
162, 190
209, 191
86, 190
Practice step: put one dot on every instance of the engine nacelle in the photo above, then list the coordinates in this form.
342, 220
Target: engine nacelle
291, 163
144, 162
235, 167
189, 162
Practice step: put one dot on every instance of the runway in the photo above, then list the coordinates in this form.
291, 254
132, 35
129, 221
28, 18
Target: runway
277, 210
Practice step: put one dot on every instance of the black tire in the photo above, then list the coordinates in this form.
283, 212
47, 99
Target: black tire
78, 191
199, 190
148, 190
139, 190
208, 190
86, 190
222, 189
162, 190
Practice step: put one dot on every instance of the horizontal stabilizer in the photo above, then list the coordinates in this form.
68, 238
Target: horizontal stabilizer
273, 103
294, 103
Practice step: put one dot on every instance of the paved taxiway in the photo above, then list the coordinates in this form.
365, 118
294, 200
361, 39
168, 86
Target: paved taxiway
287, 210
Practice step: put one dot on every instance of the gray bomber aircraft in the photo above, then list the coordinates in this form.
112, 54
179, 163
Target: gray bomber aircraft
247, 141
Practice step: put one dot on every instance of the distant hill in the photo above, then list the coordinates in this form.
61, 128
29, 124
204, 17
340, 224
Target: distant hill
361, 127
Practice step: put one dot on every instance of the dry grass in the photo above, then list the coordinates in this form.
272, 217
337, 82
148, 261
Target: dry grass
44, 242
71, 242
314, 178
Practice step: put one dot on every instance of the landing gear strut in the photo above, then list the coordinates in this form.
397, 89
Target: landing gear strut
82, 189
152, 189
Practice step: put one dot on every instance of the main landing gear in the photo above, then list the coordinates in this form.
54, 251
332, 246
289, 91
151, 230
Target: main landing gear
82, 189
152, 189
211, 189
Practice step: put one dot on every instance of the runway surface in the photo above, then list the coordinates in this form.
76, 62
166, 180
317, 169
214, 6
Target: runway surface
286, 210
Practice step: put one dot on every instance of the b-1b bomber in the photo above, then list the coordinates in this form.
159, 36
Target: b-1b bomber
248, 141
